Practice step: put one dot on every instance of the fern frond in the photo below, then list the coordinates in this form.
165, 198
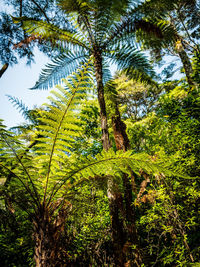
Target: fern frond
59, 124
119, 32
140, 76
161, 35
155, 8
106, 164
16, 163
61, 66
64, 39
20, 106
129, 58
74, 6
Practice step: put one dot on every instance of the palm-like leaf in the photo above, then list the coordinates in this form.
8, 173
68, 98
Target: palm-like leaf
158, 34
60, 123
128, 58
58, 128
60, 67
108, 26
107, 164
64, 39
20, 106
120, 33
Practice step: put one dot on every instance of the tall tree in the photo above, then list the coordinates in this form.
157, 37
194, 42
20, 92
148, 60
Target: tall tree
105, 31
170, 28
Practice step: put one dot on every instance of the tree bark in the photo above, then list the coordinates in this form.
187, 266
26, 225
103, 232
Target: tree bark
122, 143
186, 65
118, 237
101, 99
47, 236
114, 196
3, 69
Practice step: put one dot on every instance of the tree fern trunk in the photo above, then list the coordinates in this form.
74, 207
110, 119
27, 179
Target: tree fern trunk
122, 143
101, 99
113, 197
118, 237
42, 253
47, 237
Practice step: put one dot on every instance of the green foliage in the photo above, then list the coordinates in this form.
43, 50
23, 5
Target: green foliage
169, 219
56, 163
61, 66
95, 26
196, 68
57, 36
15, 238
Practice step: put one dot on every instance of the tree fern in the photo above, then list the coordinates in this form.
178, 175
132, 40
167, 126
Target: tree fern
59, 125
52, 158
107, 26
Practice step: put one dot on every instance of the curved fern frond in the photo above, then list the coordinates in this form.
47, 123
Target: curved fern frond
60, 123
106, 164
128, 58
61, 66
105, 13
157, 34
23, 109
56, 36
120, 32
140, 76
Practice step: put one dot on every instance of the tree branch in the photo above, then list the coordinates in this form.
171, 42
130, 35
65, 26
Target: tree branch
3, 69
39, 7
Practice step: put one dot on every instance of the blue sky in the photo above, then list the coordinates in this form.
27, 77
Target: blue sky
16, 81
